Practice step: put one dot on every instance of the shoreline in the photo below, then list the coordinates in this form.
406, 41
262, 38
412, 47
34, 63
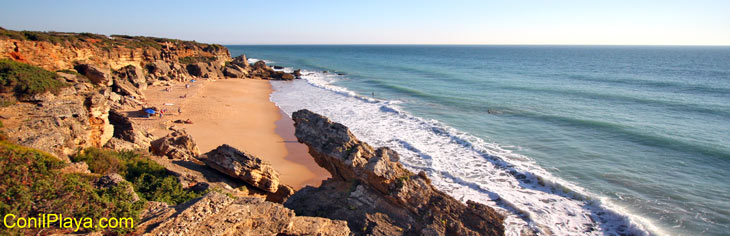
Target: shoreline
238, 113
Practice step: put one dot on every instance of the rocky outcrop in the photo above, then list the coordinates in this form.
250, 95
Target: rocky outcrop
127, 136
243, 166
217, 214
375, 194
97, 75
74, 118
176, 145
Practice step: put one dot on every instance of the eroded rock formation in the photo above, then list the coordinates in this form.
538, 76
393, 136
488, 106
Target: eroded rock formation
375, 194
176, 145
218, 214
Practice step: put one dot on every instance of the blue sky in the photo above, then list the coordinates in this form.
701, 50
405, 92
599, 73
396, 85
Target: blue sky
618, 22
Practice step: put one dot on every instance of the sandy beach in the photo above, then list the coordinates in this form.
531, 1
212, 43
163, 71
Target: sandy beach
238, 113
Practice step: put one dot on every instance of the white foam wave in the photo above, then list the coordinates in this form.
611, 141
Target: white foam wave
463, 165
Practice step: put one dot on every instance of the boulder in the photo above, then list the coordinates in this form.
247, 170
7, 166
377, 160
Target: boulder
374, 193
234, 71
218, 214
176, 145
246, 167
278, 67
240, 61
125, 88
127, 136
133, 75
298, 73
287, 76
97, 75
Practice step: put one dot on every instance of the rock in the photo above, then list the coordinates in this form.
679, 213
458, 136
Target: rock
260, 65
298, 73
101, 129
126, 135
194, 69
278, 67
217, 214
281, 194
240, 61
133, 75
113, 180
96, 74
376, 195
246, 167
126, 88
158, 68
287, 76
176, 145
234, 71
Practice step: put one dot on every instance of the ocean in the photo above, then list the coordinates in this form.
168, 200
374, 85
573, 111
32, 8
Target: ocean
564, 140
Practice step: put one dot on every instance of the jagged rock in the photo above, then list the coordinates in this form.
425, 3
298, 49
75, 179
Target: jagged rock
61, 123
126, 135
97, 75
240, 61
260, 65
158, 68
278, 67
217, 214
287, 76
376, 195
101, 129
281, 195
298, 73
125, 88
246, 167
133, 75
176, 145
113, 180
234, 71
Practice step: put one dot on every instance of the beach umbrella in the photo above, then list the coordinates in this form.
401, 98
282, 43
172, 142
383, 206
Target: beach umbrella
149, 111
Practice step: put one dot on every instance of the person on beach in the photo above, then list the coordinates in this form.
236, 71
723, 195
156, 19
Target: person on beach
179, 110
187, 86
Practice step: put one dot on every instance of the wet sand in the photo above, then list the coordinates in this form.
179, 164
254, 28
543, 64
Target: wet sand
238, 113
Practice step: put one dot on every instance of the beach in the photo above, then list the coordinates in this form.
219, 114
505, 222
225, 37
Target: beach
237, 113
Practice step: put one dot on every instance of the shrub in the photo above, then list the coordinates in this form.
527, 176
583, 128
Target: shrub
32, 184
150, 180
26, 80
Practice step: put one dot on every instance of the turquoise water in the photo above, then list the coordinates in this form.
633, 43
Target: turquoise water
643, 130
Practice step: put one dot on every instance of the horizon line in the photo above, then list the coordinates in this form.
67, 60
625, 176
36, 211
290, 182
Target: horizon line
457, 44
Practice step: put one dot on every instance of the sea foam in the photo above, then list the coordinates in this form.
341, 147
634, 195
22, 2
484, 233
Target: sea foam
462, 165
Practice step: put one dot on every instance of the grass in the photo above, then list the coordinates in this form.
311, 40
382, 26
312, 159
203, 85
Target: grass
150, 180
33, 184
27, 80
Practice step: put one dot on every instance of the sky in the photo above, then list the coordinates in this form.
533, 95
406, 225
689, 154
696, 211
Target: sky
576, 22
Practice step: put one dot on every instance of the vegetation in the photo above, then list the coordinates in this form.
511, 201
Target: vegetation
26, 80
33, 184
150, 180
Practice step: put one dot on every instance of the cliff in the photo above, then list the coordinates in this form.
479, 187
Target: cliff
63, 133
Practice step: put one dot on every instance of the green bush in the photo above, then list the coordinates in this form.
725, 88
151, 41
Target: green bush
32, 184
26, 80
150, 180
